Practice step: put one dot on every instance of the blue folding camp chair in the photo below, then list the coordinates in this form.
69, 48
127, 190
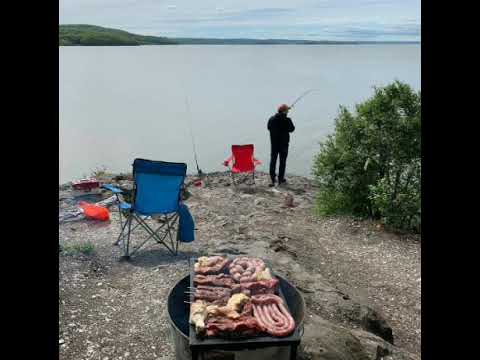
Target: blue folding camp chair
157, 191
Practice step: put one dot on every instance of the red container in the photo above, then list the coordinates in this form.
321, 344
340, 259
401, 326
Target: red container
86, 184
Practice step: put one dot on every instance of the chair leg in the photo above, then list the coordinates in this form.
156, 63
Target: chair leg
154, 234
178, 237
169, 225
120, 214
130, 217
233, 178
169, 230
122, 230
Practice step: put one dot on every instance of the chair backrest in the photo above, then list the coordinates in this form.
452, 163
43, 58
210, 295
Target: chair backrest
158, 186
243, 157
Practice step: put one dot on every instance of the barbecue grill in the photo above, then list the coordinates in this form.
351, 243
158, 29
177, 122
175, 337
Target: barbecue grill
265, 347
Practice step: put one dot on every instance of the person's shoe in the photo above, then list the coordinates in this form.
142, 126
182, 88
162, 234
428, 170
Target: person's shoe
282, 181
272, 184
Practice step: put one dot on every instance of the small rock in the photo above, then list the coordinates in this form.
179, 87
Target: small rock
259, 202
61, 341
289, 200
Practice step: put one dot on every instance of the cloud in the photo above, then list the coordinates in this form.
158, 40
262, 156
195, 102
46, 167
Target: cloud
313, 19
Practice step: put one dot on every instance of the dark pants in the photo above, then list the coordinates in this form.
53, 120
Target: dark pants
276, 151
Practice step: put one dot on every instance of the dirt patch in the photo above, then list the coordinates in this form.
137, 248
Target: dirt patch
353, 274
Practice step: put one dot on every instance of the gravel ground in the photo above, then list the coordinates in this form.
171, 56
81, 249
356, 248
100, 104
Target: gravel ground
111, 309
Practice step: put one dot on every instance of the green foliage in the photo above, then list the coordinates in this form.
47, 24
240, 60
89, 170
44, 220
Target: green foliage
371, 165
90, 35
85, 248
398, 203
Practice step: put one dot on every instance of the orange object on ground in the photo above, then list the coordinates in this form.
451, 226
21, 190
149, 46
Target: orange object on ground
96, 212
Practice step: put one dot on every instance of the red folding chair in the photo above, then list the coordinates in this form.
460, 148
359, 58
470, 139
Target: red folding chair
242, 160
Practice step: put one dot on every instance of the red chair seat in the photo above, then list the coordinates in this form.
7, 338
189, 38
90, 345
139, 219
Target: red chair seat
242, 158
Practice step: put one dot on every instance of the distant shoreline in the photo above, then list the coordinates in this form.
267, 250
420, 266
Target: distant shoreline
91, 35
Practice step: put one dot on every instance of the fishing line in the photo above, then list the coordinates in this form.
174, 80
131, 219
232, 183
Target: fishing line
303, 95
295, 154
191, 136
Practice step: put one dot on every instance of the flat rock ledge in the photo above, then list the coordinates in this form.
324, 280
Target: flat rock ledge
244, 219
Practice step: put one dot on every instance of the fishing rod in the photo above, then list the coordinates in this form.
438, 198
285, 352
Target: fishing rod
301, 96
200, 173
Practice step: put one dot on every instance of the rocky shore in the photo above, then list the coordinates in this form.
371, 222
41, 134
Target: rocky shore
361, 283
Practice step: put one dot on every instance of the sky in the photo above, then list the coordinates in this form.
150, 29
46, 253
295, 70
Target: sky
340, 20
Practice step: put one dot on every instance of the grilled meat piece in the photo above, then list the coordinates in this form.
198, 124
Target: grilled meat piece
211, 293
222, 280
210, 265
225, 327
198, 313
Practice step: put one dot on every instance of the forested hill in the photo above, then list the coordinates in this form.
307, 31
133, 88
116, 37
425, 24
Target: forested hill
96, 35
91, 35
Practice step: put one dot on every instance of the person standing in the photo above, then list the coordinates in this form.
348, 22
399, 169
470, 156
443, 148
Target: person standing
280, 127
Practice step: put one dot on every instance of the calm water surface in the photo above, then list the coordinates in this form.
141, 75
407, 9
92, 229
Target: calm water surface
118, 103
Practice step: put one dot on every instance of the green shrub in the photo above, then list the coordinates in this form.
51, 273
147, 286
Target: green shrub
398, 202
371, 165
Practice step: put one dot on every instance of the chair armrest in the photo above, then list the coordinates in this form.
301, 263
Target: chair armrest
228, 161
256, 162
112, 188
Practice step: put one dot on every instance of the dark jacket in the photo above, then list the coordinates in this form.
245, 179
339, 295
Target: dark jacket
280, 127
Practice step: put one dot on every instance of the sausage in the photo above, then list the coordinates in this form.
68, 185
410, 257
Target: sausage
289, 323
264, 318
286, 313
284, 321
259, 315
271, 313
268, 315
246, 269
278, 319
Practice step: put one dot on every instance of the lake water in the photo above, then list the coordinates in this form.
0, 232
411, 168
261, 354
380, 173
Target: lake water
119, 103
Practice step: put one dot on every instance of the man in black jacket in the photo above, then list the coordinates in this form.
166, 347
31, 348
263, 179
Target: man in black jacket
280, 127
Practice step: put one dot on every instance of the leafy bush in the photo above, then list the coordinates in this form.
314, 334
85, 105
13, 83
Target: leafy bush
371, 165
